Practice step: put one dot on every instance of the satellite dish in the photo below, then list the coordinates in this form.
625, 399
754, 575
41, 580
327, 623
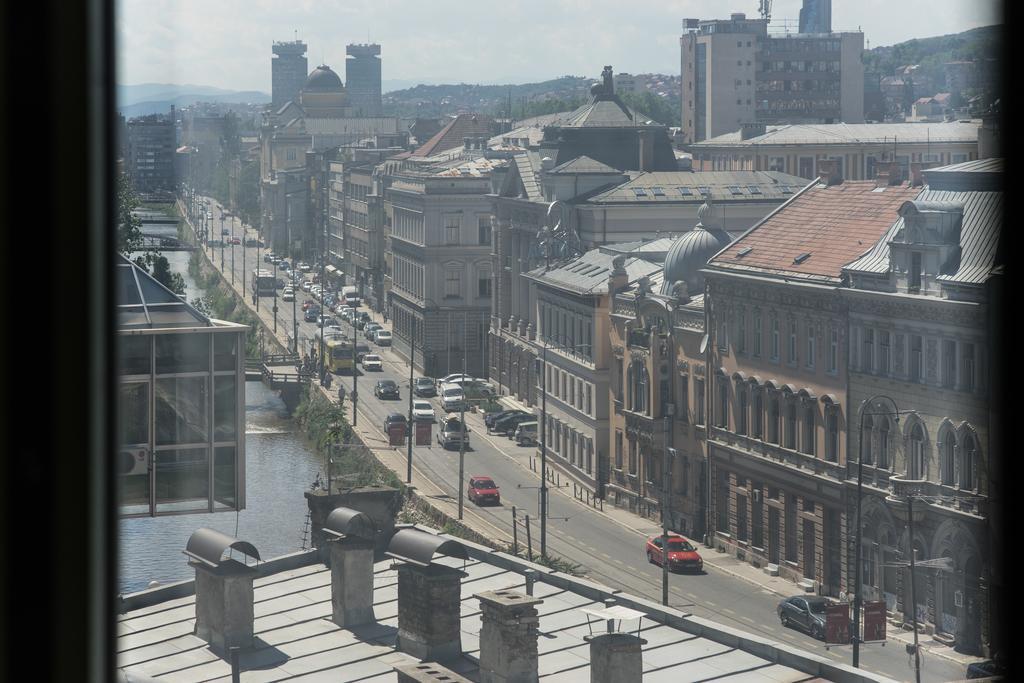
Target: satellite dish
704, 343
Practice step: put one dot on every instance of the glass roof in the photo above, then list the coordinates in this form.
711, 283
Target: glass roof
142, 302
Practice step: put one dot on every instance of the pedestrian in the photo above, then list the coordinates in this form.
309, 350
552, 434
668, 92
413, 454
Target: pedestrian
385, 315
341, 393
327, 380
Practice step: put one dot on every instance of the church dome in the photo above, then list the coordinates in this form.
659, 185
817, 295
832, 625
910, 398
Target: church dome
323, 79
690, 252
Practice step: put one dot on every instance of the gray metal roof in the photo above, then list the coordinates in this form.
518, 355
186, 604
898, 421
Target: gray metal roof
345, 521
991, 165
605, 113
977, 175
296, 639
583, 164
685, 186
529, 166
419, 547
589, 273
142, 302
979, 236
850, 133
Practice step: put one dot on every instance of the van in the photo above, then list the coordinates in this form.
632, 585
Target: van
451, 432
452, 397
526, 434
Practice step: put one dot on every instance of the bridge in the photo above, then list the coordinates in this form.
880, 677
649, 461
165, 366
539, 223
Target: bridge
281, 373
164, 243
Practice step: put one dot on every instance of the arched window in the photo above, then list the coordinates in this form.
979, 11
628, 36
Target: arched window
866, 438
807, 437
969, 461
915, 453
757, 417
639, 388
947, 455
723, 402
741, 410
791, 423
832, 433
773, 417
883, 444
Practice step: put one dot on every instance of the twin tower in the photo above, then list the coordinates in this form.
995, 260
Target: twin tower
289, 70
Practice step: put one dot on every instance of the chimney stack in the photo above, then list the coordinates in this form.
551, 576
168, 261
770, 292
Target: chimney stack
615, 657
829, 172
646, 149
224, 593
351, 544
917, 169
508, 637
609, 84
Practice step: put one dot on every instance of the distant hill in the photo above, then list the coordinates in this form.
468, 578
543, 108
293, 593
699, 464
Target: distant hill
931, 53
157, 98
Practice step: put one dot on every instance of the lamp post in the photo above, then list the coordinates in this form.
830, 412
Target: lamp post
860, 482
221, 236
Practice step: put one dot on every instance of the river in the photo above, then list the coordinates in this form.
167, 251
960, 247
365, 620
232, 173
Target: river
279, 466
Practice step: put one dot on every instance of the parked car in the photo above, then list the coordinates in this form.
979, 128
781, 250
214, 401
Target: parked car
372, 361
235, 240
352, 299
450, 433
452, 397
990, 668
307, 303
424, 387
393, 418
457, 378
681, 553
422, 410
507, 425
370, 328
306, 284
382, 337
806, 612
483, 490
491, 418
311, 314
386, 388
526, 434
288, 295
268, 257
345, 312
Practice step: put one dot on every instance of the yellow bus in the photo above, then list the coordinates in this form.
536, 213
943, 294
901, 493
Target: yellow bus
336, 349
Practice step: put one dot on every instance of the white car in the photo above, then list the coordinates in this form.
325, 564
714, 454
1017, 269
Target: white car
382, 338
452, 397
422, 410
457, 378
306, 285
288, 295
372, 361
345, 312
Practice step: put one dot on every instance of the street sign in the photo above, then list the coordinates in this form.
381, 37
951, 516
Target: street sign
837, 624
874, 621
423, 429
396, 433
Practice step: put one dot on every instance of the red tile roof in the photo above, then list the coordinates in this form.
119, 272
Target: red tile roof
834, 224
451, 136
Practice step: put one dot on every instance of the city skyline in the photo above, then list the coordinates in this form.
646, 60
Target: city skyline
495, 44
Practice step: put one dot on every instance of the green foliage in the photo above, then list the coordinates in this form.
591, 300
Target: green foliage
222, 303
249, 193
665, 110
129, 226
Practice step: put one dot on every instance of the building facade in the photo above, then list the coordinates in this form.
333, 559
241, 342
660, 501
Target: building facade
151, 149
288, 71
734, 73
362, 73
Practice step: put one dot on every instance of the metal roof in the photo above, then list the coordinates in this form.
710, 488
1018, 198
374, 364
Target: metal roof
689, 186
419, 547
529, 166
850, 133
348, 522
208, 545
142, 302
583, 164
589, 273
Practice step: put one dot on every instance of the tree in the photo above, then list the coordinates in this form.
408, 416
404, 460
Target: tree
130, 240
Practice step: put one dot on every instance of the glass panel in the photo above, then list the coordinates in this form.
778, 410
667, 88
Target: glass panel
181, 412
133, 413
224, 408
182, 480
224, 478
182, 353
134, 355
225, 351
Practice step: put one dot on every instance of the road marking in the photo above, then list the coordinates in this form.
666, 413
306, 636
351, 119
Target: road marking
728, 611
747, 619
606, 556
709, 603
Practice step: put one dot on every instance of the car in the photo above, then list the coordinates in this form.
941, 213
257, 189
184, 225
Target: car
306, 285
361, 323
372, 361
225, 231
326, 320
507, 425
990, 668
457, 378
483, 490
307, 304
370, 328
235, 240
268, 257
424, 387
280, 283
806, 612
345, 312
452, 397
305, 267
422, 410
393, 418
382, 338
284, 264
451, 432
526, 434
288, 295
682, 556
491, 418
386, 388
253, 242
311, 314
352, 299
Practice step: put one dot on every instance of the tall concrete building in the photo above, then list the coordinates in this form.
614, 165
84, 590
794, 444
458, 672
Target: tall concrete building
816, 16
288, 71
362, 72
150, 149
734, 73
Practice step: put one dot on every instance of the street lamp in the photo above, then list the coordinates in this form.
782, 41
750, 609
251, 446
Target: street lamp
860, 482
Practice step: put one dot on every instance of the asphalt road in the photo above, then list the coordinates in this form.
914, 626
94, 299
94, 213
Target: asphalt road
607, 551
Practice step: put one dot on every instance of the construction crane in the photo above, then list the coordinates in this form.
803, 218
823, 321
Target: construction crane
765, 9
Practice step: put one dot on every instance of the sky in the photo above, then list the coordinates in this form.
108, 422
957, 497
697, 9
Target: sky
226, 43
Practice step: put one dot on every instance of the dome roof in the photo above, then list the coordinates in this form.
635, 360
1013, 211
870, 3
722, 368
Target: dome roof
323, 79
690, 252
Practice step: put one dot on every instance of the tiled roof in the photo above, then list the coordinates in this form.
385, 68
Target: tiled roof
677, 186
451, 136
851, 133
820, 230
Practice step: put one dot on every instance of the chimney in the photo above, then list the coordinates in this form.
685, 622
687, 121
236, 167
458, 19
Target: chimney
617, 281
224, 593
547, 163
887, 173
609, 85
615, 657
828, 171
646, 149
737, 16
508, 637
351, 541
917, 169
467, 143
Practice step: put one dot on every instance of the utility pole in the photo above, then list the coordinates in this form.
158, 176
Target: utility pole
221, 236
913, 591
232, 244
355, 379
462, 426
666, 473
275, 298
544, 453
412, 363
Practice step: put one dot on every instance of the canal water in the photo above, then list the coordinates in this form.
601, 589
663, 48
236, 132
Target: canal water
279, 466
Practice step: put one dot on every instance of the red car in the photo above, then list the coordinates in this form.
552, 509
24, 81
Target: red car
483, 490
235, 240
681, 553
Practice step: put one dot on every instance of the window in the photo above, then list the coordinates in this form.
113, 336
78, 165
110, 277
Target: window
914, 277
915, 456
969, 461
757, 334
883, 353
722, 502
947, 451
807, 438
587, 406
867, 358
833, 350
618, 449
639, 387
791, 544
632, 456
741, 341
773, 417
775, 339
452, 284
723, 333
949, 363
883, 444
683, 411
916, 358
698, 398
809, 361
967, 380
741, 518
484, 284
723, 403
741, 410
792, 341
484, 229
866, 437
832, 434
791, 423
757, 416
452, 227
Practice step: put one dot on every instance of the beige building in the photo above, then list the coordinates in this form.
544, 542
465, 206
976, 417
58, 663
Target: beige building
777, 379
859, 149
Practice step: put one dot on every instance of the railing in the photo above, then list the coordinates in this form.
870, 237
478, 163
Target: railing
639, 339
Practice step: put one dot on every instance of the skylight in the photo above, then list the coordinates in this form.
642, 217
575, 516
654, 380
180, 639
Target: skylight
735, 189
744, 252
785, 189
704, 190
685, 191
658, 192
754, 189
639, 192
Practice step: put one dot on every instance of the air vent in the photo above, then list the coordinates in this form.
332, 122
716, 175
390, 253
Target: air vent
802, 257
744, 251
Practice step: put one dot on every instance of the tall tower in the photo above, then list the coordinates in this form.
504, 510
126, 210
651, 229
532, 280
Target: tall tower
288, 71
816, 16
362, 78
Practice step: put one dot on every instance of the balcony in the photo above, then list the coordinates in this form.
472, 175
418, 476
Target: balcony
803, 462
639, 339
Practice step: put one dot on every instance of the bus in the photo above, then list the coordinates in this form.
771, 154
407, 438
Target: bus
263, 283
336, 348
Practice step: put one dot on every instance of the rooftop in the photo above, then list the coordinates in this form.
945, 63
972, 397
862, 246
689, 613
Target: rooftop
851, 133
817, 232
589, 273
453, 135
690, 186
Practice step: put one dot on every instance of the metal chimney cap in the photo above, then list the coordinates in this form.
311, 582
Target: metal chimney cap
208, 545
418, 547
345, 521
